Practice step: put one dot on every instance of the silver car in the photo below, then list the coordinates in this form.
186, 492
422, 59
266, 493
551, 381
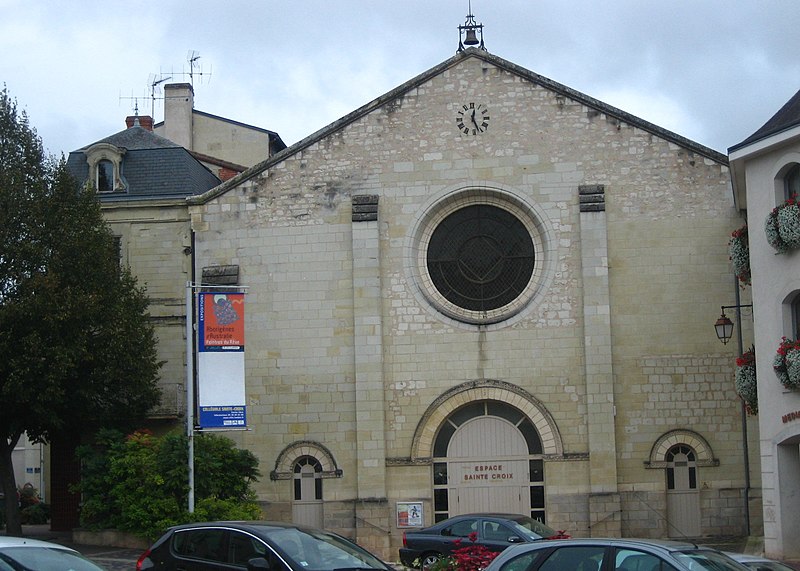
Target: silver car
759, 562
613, 555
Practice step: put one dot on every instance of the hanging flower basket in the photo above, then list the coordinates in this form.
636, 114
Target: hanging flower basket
739, 249
746, 386
787, 363
783, 226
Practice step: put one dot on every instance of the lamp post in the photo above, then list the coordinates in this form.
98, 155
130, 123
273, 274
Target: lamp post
724, 330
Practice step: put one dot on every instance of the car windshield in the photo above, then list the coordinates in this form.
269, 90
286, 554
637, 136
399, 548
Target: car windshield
706, 559
530, 528
319, 551
46, 559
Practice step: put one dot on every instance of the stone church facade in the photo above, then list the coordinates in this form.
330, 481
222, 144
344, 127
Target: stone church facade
486, 291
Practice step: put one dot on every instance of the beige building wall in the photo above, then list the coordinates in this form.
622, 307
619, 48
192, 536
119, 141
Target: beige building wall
615, 349
155, 242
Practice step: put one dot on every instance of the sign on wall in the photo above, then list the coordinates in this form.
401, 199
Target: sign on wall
220, 360
409, 514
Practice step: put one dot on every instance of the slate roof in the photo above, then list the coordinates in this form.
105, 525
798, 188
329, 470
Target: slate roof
441, 68
152, 167
787, 117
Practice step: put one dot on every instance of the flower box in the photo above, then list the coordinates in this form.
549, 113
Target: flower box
783, 226
739, 249
746, 385
787, 363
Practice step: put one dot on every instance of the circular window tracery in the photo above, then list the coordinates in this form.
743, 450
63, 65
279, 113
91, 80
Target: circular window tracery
481, 255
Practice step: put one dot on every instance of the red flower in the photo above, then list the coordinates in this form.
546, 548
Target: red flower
747, 358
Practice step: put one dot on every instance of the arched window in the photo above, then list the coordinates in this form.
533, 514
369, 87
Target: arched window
791, 182
681, 468
307, 479
795, 316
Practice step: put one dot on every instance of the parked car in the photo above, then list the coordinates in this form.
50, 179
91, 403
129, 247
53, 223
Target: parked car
21, 554
257, 545
613, 555
759, 563
422, 548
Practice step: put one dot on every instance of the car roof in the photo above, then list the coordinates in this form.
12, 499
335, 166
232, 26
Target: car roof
748, 557
491, 514
8, 541
253, 526
664, 544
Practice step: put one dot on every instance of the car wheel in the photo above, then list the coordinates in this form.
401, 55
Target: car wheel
429, 559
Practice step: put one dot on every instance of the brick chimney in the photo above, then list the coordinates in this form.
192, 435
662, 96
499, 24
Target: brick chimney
144, 121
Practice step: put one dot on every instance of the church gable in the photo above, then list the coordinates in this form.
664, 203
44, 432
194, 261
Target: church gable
476, 118
461, 85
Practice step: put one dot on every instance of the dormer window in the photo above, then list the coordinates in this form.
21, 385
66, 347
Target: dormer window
105, 176
105, 167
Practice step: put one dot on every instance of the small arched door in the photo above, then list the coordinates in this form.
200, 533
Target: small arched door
307, 482
683, 495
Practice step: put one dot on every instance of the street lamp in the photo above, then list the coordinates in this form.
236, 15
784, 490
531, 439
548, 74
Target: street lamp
724, 326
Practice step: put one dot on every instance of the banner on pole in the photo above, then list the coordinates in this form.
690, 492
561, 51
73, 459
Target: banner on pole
220, 360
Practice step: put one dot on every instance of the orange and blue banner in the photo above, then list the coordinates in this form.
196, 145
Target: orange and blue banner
220, 360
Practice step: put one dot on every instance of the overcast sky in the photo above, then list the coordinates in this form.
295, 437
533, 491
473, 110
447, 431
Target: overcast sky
710, 70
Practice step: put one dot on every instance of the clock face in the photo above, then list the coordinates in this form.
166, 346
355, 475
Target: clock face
472, 118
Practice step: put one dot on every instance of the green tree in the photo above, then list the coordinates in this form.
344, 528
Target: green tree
77, 348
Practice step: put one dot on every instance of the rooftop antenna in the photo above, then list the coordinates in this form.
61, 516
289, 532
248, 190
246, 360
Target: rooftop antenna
469, 30
192, 58
155, 82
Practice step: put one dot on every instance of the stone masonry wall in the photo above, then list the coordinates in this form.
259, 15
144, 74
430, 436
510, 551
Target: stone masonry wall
668, 218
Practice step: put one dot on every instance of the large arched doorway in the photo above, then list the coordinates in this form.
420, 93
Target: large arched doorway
487, 456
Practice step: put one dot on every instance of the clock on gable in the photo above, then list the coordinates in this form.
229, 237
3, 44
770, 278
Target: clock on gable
472, 118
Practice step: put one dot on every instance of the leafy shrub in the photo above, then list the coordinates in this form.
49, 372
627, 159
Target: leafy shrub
139, 483
36, 514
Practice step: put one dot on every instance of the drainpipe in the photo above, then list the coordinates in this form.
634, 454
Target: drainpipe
745, 446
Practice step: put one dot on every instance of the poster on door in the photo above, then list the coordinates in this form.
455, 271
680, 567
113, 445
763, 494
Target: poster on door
220, 361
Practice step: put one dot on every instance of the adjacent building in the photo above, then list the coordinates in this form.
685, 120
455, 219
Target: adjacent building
765, 170
143, 180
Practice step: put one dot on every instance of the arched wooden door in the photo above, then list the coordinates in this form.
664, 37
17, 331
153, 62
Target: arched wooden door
307, 482
488, 467
683, 495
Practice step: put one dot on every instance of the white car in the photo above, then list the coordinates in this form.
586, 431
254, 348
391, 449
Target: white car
21, 554
759, 563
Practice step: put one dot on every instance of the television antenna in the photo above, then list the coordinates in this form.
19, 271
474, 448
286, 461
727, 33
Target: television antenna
192, 58
155, 82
